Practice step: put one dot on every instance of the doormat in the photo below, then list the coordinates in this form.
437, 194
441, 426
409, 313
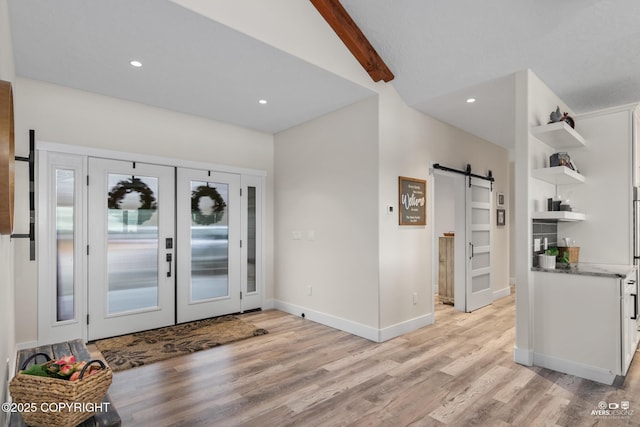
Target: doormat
144, 348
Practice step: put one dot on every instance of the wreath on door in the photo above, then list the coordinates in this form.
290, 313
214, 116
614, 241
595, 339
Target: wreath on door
217, 210
148, 204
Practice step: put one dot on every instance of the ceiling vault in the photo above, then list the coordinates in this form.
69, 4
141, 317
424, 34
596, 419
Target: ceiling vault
338, 18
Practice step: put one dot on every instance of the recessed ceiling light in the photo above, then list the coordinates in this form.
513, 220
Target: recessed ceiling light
135, 63
262, 101
471, 100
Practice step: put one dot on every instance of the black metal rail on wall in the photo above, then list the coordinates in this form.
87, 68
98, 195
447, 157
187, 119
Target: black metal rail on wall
32, 198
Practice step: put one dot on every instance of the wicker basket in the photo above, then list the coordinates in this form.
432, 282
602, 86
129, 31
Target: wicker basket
45, 399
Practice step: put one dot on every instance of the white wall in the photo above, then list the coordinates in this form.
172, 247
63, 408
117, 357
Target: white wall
7, 318
534, 101
606, 237
326, 183
444, 205
69, 116
409, 143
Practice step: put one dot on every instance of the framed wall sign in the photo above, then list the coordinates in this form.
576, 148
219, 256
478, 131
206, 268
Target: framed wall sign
412, 201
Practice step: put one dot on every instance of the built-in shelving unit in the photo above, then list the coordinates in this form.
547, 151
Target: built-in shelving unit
558, 135
558, 175
563, 216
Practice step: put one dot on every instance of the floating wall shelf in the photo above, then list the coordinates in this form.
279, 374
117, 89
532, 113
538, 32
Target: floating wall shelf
563, 216
558, 175
558, 135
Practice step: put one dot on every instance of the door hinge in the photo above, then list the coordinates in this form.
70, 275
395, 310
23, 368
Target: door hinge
240, 294
87, 318
240, 244
240, 192
87, 249
87, 180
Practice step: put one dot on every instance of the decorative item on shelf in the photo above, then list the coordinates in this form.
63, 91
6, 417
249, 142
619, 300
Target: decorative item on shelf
560, 159
557, 116
569, 254
548, 259
75, 388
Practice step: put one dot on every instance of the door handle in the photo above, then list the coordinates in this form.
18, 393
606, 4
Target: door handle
635, 306
169, 260
471, 245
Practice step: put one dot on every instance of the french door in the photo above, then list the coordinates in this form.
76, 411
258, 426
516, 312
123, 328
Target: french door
478, 236
128, 246
131, 260
209, 244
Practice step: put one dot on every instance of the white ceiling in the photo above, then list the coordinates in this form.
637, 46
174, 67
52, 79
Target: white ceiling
191, 64
441, 52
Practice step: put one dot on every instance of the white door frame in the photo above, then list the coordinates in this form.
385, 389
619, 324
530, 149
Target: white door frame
50, 330
459, 238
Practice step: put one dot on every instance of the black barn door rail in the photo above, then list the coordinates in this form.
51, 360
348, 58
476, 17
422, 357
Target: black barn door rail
467, 172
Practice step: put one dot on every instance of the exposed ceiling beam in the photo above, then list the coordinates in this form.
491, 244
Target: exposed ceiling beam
339, 19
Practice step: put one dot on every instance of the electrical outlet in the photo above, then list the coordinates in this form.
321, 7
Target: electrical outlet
415, 298
309, 290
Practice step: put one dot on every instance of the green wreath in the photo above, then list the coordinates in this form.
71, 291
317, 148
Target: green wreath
217, 210
124, 187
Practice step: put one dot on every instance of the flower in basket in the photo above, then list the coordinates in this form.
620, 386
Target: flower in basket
65, 368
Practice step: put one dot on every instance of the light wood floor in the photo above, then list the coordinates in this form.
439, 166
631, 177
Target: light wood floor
459, 372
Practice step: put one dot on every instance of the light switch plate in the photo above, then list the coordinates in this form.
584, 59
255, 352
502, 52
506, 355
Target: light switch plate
536, 245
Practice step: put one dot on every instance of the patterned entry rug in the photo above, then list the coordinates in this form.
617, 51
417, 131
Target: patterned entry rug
143, 348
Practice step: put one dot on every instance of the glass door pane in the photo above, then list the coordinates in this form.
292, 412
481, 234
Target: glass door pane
132, 243
65, 256
209, 240
251, 239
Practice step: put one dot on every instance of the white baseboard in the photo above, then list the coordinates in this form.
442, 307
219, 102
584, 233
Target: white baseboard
593, 373
355, 328
505, 292
523, 356
405, 327
349, 326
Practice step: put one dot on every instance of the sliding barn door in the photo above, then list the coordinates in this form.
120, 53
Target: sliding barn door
478, 234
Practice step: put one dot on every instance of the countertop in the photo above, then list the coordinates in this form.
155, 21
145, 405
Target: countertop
587, 269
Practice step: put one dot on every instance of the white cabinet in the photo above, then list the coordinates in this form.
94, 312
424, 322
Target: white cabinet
630, 334
583, 325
